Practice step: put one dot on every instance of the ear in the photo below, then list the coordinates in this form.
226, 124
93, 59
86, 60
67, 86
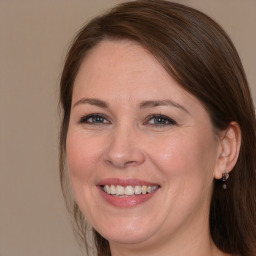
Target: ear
228, 150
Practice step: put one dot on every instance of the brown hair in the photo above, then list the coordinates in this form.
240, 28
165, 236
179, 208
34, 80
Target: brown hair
200, 56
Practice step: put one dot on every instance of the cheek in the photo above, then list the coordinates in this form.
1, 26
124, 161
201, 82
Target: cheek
188, 157
82, 155
186, 165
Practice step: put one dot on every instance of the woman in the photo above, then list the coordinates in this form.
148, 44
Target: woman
159, 133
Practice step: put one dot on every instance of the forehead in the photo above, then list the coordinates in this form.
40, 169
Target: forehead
112, 58
122, 66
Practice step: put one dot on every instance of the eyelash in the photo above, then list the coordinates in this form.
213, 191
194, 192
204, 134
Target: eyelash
162, 119
167, 121
84, 119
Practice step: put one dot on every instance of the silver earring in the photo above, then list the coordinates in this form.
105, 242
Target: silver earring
225, 176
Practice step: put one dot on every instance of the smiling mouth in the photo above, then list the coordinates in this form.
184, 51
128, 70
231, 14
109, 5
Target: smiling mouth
126, 191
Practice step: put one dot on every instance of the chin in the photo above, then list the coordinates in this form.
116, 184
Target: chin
127, 237
127, 232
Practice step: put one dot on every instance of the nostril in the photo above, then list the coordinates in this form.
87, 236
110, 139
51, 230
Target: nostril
108, 162
130, 163
121, 164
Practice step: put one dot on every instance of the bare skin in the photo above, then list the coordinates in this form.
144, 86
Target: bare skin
131, 120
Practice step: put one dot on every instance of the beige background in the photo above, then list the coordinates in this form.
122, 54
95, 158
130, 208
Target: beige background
34, 38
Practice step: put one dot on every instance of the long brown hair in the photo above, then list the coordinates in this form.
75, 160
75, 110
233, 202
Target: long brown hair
200, 56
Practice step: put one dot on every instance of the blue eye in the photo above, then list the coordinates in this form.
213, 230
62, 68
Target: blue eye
160, 120
94, 119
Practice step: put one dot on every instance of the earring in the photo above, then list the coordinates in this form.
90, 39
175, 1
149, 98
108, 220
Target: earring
225, 176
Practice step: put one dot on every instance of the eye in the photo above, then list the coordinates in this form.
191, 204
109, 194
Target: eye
160, 120
94, 119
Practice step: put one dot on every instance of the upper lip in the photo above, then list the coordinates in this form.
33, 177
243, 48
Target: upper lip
125, 182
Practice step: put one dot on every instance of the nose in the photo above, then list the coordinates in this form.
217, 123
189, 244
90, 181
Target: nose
123, 149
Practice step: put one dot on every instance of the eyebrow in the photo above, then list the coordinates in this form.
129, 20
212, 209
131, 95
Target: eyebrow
156, 103
143, 104
95, 102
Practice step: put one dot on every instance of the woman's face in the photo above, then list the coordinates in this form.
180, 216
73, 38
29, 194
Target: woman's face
135, 133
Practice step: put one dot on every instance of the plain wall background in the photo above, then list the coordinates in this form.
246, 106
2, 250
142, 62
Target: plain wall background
34, 37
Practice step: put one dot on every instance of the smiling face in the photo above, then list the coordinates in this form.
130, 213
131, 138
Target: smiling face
136, 134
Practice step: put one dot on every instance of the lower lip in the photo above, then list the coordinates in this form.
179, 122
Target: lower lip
125, 202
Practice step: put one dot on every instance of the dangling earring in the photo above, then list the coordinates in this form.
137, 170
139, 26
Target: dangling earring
225, 176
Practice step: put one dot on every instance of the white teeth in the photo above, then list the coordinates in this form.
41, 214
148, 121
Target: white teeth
107, 189
112, 190
128, 190
119, 190
154, 188
144, 190
137, 190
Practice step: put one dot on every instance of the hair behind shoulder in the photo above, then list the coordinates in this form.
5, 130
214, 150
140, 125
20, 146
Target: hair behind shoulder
200, 56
